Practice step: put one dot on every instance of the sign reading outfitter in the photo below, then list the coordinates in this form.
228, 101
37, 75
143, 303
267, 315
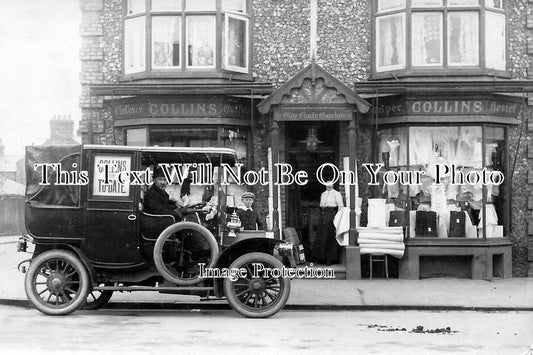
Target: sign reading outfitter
182, 107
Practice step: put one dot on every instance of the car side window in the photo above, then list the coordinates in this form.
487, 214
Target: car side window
62, 189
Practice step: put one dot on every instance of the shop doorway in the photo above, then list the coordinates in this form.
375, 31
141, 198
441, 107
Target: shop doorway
309, 145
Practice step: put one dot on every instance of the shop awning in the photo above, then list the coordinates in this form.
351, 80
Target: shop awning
515, 87
246, 89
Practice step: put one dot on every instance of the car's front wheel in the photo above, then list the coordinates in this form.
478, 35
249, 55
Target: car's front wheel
96, 299
57, 282
260, 291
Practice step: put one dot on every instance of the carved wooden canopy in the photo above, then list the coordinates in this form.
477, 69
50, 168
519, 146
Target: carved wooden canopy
312, 86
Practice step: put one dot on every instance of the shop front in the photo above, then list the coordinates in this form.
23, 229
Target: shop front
445, 175
313, 124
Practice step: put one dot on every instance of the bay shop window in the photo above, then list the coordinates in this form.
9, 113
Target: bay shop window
186, 36
433, 35
461, 206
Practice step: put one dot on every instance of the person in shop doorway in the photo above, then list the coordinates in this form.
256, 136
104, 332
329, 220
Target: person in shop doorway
327, 249
250, 219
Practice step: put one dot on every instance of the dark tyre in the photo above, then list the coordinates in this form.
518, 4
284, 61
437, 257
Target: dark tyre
57, 282
180, 248
259, 294
96, 299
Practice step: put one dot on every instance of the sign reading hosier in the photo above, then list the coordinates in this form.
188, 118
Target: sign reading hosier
450, 108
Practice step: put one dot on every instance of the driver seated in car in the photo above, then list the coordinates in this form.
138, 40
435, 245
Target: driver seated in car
157, 201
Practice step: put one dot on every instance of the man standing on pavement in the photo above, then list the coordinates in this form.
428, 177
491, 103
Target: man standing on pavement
327, 248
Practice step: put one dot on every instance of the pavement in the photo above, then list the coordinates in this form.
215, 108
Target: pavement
514, 294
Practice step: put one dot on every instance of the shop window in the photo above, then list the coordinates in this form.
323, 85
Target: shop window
451, 194
439, 34
227, 137
136, 136
174, 37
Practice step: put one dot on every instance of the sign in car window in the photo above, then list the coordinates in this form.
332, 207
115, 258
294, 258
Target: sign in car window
107, 169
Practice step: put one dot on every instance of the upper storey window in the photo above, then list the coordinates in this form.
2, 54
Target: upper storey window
426, 35
180, 36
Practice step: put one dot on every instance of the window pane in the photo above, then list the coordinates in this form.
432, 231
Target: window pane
57, 194
136, 136
425, 3
161, 5
495, 40
234, 5
463, 38
495, 4
136, 6
386, 5
461, 146
201, 5
495, 153
427, 38
236, 42
463, 2
166, 34
236, 139
184, 137
134, 45
391, 42
200, 41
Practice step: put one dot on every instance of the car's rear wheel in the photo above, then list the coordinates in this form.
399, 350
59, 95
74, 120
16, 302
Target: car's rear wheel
57, 282
259, 293
180, 249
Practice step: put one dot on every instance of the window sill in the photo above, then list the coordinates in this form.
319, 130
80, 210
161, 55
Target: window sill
196, 75
470, 72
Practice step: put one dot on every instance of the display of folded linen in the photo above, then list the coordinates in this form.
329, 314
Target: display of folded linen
395, 246
381, 236
385, 240
393, 252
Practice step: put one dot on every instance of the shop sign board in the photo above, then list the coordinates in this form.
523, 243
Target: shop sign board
182, 107
449, 108
312, 114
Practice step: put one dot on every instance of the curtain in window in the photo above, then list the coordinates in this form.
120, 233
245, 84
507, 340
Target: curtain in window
463, 38
201, 40
386, 5
166, 37
495, 40
236, 42
134, 45
391, 41
427, 38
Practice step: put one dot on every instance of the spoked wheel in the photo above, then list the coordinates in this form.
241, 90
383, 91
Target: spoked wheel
180, 249
259, 294
96, 299
57, 282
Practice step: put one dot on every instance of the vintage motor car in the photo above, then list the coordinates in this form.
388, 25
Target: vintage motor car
90, 234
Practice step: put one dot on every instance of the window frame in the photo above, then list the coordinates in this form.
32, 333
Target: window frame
410, 69
227, 17
219, 69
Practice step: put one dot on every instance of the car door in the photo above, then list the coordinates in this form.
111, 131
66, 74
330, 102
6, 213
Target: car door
112, 219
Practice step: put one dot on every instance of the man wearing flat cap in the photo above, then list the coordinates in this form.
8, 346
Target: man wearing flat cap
250, 219
157, 200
